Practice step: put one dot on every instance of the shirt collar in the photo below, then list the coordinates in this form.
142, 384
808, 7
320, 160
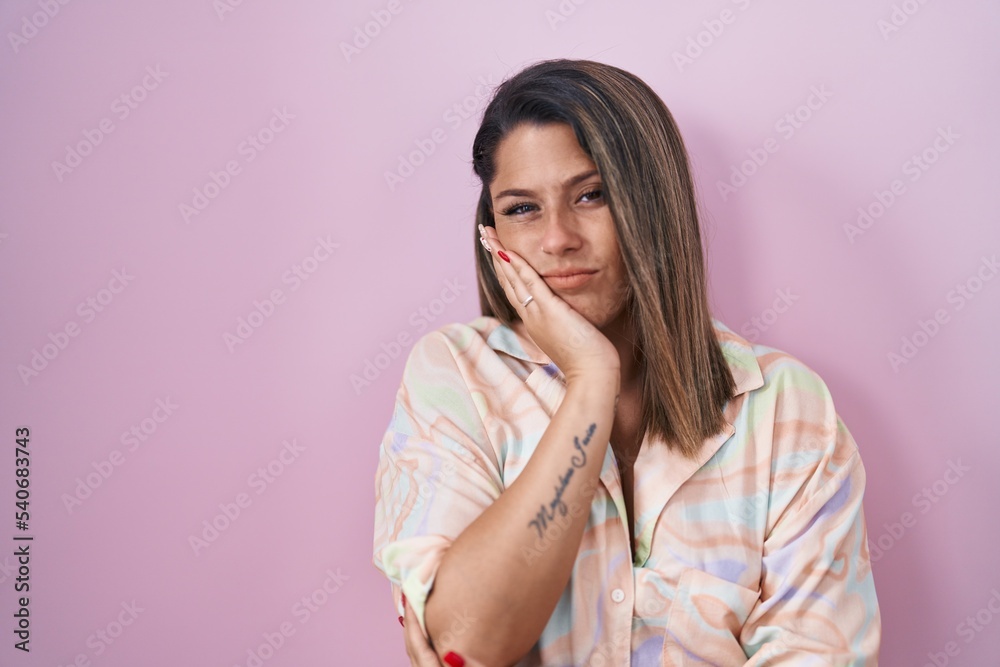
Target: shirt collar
737, 350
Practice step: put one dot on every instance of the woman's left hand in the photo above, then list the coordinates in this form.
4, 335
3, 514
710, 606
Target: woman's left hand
417, 647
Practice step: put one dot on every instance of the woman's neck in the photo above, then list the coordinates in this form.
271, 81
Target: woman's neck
619, 332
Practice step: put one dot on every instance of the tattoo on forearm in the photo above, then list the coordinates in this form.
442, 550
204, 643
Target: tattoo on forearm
548, 513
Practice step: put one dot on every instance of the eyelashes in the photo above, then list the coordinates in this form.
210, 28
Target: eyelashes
513, 209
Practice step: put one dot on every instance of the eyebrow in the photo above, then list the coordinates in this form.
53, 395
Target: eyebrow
569, 182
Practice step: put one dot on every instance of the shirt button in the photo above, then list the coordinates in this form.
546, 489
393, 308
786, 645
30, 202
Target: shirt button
618, 595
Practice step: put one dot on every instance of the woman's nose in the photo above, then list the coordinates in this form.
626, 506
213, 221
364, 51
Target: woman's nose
561, 232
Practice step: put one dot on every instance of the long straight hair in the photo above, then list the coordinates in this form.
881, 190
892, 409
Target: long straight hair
628, 132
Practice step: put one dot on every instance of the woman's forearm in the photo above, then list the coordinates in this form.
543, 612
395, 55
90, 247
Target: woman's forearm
509, 567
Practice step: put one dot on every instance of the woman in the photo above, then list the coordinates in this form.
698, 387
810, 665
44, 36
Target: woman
597, 471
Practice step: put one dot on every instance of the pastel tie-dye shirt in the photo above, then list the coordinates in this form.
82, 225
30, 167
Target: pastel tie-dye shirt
755, 553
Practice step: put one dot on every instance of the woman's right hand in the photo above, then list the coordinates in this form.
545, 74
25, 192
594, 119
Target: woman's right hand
573, 344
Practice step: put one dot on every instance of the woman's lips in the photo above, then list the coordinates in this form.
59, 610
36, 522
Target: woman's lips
569, 282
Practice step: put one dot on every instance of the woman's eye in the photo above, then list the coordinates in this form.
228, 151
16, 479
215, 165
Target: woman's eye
517, 209
521, 208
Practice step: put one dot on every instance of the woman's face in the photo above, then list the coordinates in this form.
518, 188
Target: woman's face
549, 208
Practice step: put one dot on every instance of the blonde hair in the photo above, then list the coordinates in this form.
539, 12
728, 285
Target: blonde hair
628, 132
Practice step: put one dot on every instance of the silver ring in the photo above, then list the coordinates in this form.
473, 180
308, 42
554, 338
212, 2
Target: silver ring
527, 301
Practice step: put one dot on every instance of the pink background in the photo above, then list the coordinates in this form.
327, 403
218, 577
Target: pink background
777, 243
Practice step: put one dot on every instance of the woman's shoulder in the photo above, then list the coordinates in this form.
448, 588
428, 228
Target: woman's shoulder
483, 339
458, 337
792, 408
460, 348
771, 370
475, 357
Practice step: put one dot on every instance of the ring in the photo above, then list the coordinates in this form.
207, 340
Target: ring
527, 301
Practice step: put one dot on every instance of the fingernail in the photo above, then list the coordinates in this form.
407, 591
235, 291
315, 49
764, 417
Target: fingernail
404, 600
401, 621
503, 256
454, 659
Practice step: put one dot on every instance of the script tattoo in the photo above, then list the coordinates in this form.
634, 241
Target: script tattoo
546, 514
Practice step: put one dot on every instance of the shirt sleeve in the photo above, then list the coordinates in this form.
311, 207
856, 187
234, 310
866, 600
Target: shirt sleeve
817, 604
436, 471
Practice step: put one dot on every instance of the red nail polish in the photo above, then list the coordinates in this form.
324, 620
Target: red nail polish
454, 659
401, 621
404, 600
503, 256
